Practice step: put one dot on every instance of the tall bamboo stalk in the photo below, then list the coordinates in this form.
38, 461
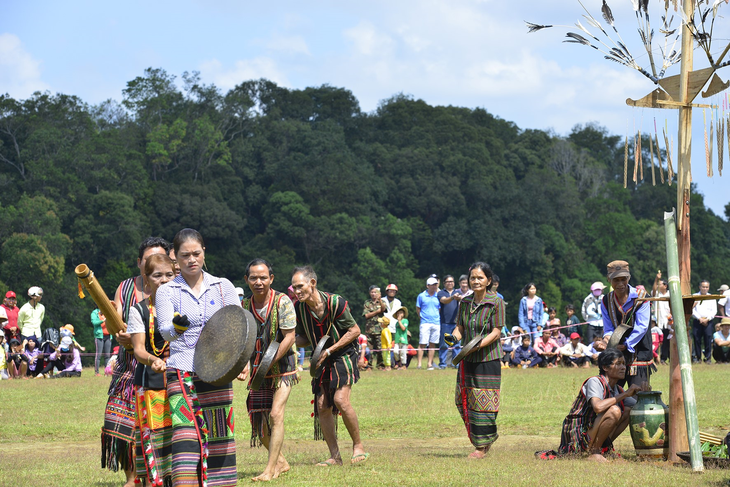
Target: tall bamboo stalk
680, 335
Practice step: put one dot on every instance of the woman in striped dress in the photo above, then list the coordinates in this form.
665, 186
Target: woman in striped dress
203, 444
479, 377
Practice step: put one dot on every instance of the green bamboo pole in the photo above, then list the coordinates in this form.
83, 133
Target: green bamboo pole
680, 334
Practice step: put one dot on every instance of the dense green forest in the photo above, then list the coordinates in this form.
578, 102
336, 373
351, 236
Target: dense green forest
304, 176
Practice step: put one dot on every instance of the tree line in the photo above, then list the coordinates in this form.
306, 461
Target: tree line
305, 176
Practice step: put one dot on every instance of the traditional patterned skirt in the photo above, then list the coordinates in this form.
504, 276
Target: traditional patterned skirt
477, 399
203, 443
339, 371
153, 438
120, 419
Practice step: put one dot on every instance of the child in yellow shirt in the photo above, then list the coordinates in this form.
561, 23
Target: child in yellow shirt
386, 341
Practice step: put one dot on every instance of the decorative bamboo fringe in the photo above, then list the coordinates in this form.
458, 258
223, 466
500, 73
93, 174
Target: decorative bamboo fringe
651, 156
636, 159
720, 144
641, 159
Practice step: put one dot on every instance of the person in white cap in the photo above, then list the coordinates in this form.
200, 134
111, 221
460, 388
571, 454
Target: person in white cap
591, 311
427, 307
31, 314
239, 291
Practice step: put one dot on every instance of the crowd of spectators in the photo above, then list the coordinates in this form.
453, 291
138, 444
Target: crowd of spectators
540, 339
30, 352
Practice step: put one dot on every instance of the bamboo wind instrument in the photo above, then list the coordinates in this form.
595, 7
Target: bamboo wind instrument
114, 322
651, 157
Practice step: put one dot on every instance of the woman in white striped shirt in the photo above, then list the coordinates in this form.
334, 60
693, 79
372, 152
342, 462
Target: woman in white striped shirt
203, 445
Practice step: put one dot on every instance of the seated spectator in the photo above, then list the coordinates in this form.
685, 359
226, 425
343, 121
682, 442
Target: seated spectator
509, 344
112, 362
657, 337
17, 361
548, 350
11, 331
572, 321
3, 360
721, 343
33, 354
559, 338
66, 359
525, 355
68, 331
574, 354
596, 348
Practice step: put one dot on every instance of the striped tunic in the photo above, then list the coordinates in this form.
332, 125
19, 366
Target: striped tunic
176, 295
481, 318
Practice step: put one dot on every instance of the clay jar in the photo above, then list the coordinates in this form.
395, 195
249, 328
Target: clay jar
648, 422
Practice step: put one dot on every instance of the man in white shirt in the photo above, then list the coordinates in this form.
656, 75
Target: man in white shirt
703, 324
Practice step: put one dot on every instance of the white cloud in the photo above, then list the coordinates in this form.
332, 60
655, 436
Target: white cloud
20, 74
289, 45
368, 40
242, 70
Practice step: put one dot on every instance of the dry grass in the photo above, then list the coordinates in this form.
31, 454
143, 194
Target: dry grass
49, 433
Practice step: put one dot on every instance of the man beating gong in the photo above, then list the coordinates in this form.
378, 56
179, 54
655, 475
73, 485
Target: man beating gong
321, 314
269, 389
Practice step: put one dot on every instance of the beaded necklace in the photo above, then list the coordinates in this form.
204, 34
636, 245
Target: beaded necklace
155, 350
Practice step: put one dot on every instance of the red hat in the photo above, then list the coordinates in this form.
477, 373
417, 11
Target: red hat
10, 294
391, 286
574, 336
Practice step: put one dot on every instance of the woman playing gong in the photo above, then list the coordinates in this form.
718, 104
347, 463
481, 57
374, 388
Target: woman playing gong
203, 445
479, 377
154, 433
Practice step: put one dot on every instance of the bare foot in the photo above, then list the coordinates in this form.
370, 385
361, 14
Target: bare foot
264, 477
130, 478
282, 466
477, 454
330, 462
597, 457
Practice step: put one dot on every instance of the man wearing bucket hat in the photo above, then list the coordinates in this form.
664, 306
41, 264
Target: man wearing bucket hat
621, 310
591, 311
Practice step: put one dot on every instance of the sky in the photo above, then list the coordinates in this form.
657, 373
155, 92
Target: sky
471, 53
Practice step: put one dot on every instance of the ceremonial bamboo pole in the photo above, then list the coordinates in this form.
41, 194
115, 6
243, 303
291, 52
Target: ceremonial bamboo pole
680, 336
678, 439
114, 322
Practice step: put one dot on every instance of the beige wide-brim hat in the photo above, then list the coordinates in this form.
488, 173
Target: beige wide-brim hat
405, 312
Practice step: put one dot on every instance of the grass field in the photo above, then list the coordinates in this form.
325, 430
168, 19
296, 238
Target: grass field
49, 433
